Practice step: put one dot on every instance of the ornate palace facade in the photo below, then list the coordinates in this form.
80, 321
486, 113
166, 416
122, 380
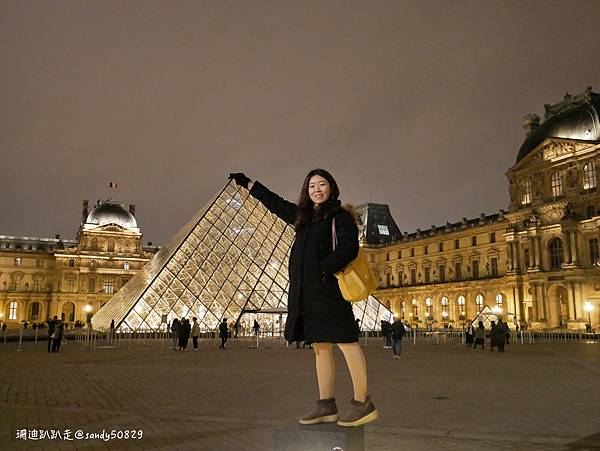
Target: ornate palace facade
537, 262
42, 277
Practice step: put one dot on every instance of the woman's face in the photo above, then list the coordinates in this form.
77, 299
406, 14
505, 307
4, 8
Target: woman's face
318, 189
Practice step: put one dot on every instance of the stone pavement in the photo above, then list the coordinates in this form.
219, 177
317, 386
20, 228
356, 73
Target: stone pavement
543, 396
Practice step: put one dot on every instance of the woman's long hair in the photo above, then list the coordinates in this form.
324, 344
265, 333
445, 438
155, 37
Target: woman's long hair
306, 207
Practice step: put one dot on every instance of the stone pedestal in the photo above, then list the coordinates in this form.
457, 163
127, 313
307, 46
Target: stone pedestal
318, 437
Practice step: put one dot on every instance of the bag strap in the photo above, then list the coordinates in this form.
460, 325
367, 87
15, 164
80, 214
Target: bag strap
333, 234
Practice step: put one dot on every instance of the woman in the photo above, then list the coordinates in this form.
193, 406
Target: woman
317, 312
479, 336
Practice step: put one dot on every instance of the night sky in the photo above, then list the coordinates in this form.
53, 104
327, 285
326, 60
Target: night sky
417, 104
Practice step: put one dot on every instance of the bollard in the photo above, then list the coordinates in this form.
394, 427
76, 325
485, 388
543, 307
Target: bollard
5, 337
36, 334
20, 340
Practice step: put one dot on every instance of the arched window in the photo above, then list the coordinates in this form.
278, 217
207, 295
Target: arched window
479, 301
111, 246
589, 176
556, 184
415, 305
429, 307
499, 301
35, 311
94, 244
444, 302
556, 253
12, 310
461, 305
526, 194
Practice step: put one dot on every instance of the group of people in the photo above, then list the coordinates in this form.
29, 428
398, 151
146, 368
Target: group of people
392, 334
499, 335
181, 331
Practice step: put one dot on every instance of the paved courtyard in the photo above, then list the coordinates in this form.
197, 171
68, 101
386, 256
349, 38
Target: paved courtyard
538, 396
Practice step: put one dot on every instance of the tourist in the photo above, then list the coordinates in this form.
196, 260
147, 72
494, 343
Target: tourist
51, 327
256, 327
223, 333
386, 333
317, 311
469, 334
479, 336
175, 333
496, 337
184, 333
57, 336
195, 333
397, 332
506, 332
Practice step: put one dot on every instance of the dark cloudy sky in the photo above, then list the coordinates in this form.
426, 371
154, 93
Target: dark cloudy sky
417, 102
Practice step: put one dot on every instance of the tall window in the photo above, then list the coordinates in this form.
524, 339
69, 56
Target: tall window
12, 310
494, 266
445, 304
429, 306
415, 305
479, 301
594, 251
474, 241
427, 274
37, 284
456, 243
70, 283
556, 184
527, 258
556, 253
92, 285
108, 285
499, 301
413, 276
425, 250
493, 237
111, 246
94, 244
71, 263
589, 176
475, 269
35, 311
461, 306
441, 247
526, 194
457, 271
442, 272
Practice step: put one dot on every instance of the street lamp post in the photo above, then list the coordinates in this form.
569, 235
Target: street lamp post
588, 307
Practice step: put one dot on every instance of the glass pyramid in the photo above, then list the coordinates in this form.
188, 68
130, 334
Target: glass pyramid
229, 261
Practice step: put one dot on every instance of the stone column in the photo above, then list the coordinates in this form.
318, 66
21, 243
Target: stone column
534, 304
571, 302
541, 308
538, 255
573, 247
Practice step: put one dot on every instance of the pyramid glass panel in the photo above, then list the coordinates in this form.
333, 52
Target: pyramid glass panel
229, 261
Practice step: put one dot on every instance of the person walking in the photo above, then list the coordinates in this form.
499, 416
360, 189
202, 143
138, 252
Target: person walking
256, 327
386, 334
397, 331
175, 333
51, 328
223, 333
497, 336
195, 333
317, 311
57, 336
469, 334
479, 336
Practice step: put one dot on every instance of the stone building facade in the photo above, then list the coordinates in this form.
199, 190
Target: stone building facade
42, 277
538, 262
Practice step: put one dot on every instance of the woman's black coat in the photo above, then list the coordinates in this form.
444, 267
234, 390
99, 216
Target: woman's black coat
317, 312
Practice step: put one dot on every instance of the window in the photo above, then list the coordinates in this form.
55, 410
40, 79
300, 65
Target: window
111, 246
12, 310
413, 276
383, 229
556, 184
594, 254
493, 237
70, 283
126, 246
412, 251
456, 243
18, 261
108, 285
425, 249
527, 258
475, 269
441, 247
93, 264
126, 266
590, 211
415, 305
94, 244
442, 272
461, 306
429, 307
526, 194
71, 263
479, 301
474, 241
35, 311
556, 253
37, 284
92, 285
457, 271
499, 301
494, 266
427, 274
589, 176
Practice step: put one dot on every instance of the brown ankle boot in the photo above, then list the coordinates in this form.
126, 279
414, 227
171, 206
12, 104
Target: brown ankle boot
325, 412
360, 413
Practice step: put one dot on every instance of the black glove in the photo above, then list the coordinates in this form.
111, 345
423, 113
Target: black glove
240, 179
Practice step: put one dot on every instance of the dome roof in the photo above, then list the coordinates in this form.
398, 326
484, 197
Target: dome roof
111, 212
576, 117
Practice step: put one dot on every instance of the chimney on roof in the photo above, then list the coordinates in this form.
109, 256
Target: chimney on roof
531, 122
84, 211
132, 209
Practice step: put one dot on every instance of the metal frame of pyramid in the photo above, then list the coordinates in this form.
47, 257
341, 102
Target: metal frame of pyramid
229, 259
